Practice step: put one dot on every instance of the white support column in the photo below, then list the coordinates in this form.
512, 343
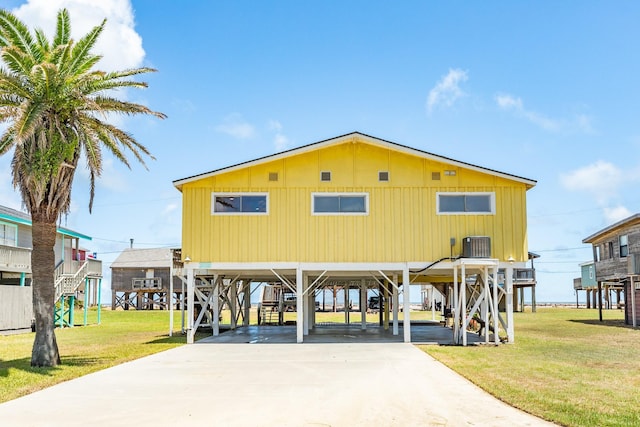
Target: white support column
299, 307
346, 303
216, 305
432, 302
395, 300
312, 309
363, 305
632, 291
463, 305
486, 302
496, 306
406, 304
454, 307
305, 303
509, 303
169, 298
233, 302
247, 302
190, 297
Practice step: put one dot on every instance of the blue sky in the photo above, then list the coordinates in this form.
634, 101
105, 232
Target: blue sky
546, 90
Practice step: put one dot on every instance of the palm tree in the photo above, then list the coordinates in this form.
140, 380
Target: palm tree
55, 105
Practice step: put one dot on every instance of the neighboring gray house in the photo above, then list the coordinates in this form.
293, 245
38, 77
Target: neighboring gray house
75, 270
616, 256
141, 278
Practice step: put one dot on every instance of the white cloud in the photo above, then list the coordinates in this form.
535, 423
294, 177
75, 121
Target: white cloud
580, 123
447, 90
170, 208
615, 214
280, 141
235, 126
511, 103
119, 43
601, 179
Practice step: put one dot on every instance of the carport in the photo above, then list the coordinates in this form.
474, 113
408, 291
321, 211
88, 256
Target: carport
472, 284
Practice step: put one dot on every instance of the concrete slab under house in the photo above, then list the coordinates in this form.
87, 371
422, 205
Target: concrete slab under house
356, 212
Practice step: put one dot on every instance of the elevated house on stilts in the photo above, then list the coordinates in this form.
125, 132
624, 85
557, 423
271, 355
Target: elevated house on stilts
360, 212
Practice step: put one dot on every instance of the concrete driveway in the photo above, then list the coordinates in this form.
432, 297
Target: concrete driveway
206, 384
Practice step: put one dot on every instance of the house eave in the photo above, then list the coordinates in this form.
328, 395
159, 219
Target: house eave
353, 136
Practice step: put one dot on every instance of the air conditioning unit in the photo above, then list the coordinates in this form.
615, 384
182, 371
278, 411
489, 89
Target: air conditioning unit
476, 247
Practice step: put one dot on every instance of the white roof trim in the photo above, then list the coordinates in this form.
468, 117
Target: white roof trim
352, 137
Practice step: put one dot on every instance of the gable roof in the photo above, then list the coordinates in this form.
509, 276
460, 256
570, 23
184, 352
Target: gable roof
18, 217
144, 258
627, 222
349, 137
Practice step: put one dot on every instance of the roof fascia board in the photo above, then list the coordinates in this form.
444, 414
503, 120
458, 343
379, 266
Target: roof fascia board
61, 230
632, 220
353, 137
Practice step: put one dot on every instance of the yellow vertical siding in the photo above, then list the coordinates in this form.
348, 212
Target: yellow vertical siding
402, 224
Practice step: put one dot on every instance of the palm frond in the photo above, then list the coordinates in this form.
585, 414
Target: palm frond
15, 33
82, 48
6, 141
29, 120
113, 105
16, 60
63, 29
43, 44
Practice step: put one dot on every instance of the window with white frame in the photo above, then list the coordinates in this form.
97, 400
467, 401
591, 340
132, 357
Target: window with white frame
624, 246
239, 203
8, 234
340, 203
465, 203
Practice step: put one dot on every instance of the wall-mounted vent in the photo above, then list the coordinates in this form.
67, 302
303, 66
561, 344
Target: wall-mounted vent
476, 247
435, 176
273, 176
325, 176
383, 176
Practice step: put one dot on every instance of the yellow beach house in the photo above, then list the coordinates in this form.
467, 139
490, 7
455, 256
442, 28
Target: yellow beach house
360, 211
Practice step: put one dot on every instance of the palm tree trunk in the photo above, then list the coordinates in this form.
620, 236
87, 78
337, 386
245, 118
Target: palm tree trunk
45, 348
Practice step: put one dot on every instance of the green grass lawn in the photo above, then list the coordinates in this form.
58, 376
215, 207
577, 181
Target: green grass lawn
565, 366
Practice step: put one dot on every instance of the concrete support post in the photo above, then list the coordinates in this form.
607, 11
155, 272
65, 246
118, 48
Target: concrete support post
485, 303
433, 303
509, 303
346, 303
454, 308
363, 305
299, 307
387, 306
170, 298
190, 305
496, 308
216, 305
305, 303
247, 302
23, 277
463, 305
406, 304
233, 298
395, 303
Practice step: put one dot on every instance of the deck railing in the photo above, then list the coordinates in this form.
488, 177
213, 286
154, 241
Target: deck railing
15, 259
